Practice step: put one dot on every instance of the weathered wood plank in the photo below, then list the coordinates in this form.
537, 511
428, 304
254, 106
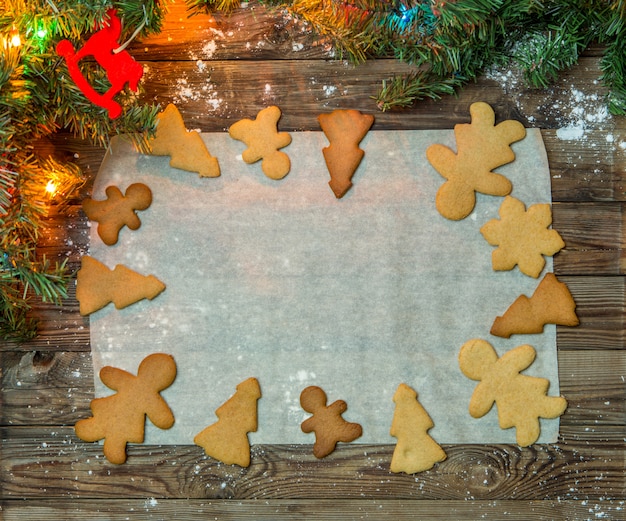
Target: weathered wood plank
595, 389
45, 387
319, 509
62, 466
601, 308
59, 327
591, 168
253, 32
212, 95
594, 237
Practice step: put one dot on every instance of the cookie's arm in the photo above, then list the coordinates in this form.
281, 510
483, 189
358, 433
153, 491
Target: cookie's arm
159, 413
115, 378
519, 358
443, 159
481, 401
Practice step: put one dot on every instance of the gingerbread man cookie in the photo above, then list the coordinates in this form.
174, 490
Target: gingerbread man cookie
120, 418
521, 400
264, 142
118, 210
481, 147
327, 423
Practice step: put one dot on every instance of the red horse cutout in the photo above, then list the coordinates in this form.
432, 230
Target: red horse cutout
120, 67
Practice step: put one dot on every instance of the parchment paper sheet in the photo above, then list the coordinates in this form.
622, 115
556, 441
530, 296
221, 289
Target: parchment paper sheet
281, 281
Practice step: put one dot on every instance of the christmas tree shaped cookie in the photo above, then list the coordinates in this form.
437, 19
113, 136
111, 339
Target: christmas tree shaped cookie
551, 303
97, 286
481, 147
327, 422
522, 237
227, 439
186, 149
521, 400
120, 418
415, 450
345, 129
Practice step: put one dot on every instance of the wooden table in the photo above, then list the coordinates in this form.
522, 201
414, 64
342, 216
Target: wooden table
217, 71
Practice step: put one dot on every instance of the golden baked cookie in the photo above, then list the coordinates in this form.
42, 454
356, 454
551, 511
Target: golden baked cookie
481, 147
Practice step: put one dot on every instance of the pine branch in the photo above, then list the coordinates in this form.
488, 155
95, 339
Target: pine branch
459, 39
403, 91
210, 6
613, 63
147, 14
37, 97
15, 323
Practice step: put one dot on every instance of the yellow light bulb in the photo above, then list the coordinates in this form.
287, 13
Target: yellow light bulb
51, 187
15, 40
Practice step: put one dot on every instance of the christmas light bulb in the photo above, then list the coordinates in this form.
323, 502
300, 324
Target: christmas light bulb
51, 188
15, 40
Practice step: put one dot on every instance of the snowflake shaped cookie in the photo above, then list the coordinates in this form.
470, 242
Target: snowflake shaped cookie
523, 237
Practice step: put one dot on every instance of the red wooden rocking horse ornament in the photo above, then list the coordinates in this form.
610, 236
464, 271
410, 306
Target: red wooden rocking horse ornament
120, 66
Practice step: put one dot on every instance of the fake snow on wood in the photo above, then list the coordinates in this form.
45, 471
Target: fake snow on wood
185, 91
577, 112
585, 112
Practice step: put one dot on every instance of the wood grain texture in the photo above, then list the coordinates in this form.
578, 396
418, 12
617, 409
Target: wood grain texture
318, 509
62, 465
217, 70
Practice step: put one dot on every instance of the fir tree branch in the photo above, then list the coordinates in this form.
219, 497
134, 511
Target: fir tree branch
210, 6
403, 91
613, 67
37, 97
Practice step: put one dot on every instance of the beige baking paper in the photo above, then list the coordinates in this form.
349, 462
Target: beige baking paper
281, 281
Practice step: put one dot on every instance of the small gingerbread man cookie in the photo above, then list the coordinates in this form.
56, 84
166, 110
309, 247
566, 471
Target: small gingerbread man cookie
264, 142
327, 424
118, 210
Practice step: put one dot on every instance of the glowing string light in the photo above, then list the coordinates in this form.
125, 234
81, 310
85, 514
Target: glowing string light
405, 14
51, 188
14, 38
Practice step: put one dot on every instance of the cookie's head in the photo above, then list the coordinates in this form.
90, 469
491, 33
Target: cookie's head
157, 371
476, 358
